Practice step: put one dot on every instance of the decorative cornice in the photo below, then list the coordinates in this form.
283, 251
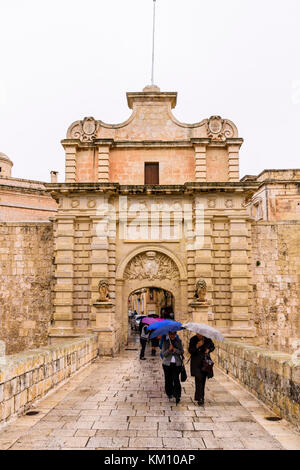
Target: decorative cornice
57, 189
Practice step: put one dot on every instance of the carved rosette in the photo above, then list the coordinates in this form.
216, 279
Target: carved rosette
219, 129
85, 130
152, 265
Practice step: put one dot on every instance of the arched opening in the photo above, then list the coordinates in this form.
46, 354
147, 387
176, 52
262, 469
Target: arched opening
152, 301
150, 267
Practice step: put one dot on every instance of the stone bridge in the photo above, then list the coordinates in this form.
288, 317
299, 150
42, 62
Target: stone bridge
65, 397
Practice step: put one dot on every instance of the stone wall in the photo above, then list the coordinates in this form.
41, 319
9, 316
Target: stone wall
25, 200
271, 376
26, 252
28, 376
276, 284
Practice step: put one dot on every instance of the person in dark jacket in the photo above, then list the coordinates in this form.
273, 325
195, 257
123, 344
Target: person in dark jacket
199, 346
143, 340
172, 352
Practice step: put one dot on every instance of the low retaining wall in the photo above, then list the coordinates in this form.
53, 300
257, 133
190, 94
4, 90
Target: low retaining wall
273, 377
29, 375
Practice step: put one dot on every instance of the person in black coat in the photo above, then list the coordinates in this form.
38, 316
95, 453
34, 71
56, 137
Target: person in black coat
199, 346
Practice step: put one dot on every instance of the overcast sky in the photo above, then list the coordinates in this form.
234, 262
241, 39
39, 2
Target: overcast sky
62, 60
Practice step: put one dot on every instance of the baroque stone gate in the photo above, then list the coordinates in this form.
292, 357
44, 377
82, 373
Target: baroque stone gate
121, 226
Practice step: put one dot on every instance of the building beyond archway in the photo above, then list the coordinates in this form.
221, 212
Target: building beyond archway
152, 301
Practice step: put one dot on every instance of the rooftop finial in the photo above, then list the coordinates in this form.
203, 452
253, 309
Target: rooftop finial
153, 41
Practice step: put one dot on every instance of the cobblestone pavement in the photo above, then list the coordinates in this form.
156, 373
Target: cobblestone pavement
120, 403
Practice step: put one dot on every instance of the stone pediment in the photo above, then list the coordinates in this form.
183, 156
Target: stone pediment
152, 120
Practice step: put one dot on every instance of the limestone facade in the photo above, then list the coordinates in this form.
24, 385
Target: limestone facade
111, 225
114, 232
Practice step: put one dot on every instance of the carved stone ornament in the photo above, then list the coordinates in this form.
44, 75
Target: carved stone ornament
85, 130
200, 291
228, 203
211, 203
75, 203
152, 265
103, 291
91, 203
219, 129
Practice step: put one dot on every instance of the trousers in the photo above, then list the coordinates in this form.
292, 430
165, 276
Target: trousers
200, 380
172, 381
143, 344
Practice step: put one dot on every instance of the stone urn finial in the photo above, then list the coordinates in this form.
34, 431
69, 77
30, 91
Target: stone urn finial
200, 291
103, 291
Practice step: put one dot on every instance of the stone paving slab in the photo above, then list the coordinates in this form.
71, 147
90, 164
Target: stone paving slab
119, 403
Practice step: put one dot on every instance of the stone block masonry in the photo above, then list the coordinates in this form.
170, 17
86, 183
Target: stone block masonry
273, 377
26, 254
276, 284
28, 376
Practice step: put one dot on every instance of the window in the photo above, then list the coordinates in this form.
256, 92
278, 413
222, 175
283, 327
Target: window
152, 173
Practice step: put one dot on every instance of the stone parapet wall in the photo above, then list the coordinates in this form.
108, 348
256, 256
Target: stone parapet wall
273, 377
26, 255
28, 376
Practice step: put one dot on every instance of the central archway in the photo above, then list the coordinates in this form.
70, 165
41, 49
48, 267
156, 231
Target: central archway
152, 266
151, 300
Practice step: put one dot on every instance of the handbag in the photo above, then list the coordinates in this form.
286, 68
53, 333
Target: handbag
183, 374
207, 366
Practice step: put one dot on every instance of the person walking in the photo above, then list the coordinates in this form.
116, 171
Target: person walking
172, 351
154, 345
144, 335
199, 347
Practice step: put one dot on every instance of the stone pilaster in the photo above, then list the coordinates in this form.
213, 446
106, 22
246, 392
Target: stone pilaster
64, 274
190, 254
98, 260
200, 162
220, 272
103, 163
203, 248
239, 276
112, 235
233, 162
70, 168
103, 268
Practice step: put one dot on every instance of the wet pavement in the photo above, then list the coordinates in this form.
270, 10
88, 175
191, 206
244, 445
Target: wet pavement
119, 403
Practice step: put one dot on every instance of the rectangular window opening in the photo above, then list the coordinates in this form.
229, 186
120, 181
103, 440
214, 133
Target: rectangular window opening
151, 173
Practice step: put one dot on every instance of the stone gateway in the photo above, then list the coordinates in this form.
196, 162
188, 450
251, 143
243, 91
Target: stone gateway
189, 221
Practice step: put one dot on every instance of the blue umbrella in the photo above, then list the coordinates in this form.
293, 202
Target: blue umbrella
160, 324
164, 330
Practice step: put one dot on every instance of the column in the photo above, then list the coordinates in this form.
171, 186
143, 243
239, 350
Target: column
64, 274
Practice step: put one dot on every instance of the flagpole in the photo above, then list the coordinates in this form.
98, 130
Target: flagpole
153, 37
